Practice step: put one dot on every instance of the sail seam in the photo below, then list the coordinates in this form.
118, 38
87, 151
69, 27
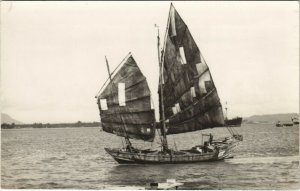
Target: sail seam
194, 103
198, 114
130, 112
127, 88
197, 77
121, 79
121, 123
108, 79
130, 100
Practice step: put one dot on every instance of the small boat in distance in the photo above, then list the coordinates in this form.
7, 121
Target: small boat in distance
284, 123
295, 120
188, 101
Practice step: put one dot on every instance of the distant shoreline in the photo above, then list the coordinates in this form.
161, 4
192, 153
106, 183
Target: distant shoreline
254, 119
49, 125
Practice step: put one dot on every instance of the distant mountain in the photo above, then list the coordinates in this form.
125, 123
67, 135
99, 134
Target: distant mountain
7, 119
271, 118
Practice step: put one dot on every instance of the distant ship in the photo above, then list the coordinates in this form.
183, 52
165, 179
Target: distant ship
234, 122
188, 101
284, 123
295, 120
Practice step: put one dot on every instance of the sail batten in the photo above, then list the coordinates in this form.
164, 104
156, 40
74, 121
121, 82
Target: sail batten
143, 132
190, 96
201, 105
130, 111
129, 118
131, 107
131, 81
127, 99
133, 94
113, 102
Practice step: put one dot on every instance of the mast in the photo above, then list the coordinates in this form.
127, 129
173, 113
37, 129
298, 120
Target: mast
163, 126
127, 141
226, 110
107, 66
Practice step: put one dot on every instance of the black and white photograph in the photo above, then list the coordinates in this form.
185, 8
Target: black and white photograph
150, 95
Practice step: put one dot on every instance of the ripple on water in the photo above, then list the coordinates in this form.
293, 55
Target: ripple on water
74, 158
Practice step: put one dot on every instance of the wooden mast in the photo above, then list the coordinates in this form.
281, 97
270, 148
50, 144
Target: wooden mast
127, 141
163, 125
161, 82
107, 66
226, 111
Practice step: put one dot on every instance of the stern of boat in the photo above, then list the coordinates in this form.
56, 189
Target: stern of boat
226, 150
119, 156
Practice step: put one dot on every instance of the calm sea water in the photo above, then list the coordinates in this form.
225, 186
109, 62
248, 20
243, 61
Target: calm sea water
74, 158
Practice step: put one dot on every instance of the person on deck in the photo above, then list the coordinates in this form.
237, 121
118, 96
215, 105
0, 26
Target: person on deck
205, 147
210, 138
128, 148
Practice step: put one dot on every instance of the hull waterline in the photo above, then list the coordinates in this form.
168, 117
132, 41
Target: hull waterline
175, 157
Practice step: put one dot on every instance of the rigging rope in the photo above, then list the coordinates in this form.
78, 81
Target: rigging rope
155, 121
228, 128
111, 94
112, 74
234, 131
175, 146
122, 142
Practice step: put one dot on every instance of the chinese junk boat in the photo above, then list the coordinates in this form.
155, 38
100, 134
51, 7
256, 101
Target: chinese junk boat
188, 101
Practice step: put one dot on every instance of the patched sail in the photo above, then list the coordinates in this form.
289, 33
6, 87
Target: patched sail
125, 104
190, 98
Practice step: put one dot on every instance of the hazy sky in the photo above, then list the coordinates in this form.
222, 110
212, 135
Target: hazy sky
52, 53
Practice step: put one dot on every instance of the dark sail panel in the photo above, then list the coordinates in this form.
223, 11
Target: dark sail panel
125, 104
143, 132
190, 97
140, 105
132, 118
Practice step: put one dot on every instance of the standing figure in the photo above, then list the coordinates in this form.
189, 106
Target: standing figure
210, 138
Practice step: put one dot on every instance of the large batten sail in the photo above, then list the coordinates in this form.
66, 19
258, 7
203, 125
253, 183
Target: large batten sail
125, 104
188, 101
191, 101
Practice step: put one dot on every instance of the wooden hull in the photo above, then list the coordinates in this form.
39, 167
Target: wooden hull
124, 157
176, 157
